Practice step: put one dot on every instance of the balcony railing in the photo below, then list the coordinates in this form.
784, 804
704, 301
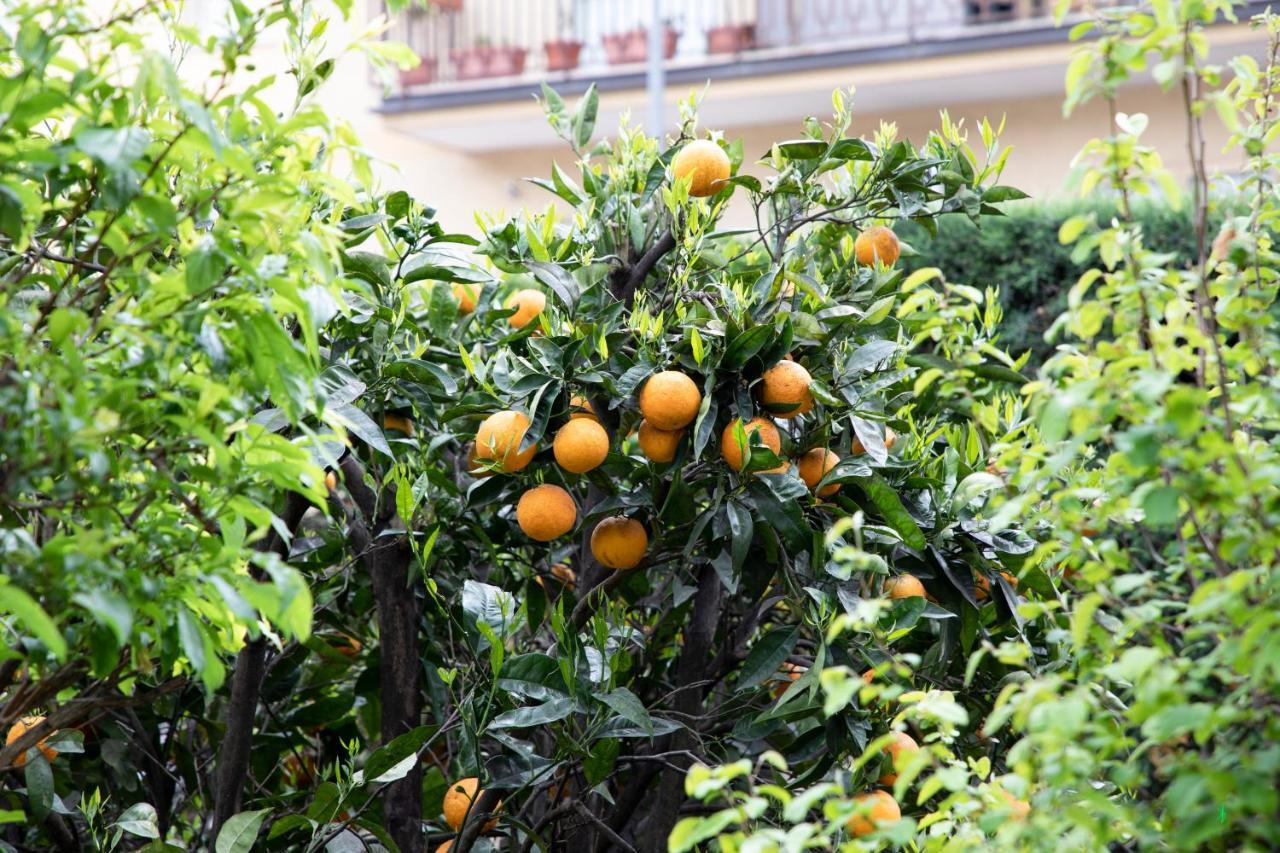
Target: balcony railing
481, 44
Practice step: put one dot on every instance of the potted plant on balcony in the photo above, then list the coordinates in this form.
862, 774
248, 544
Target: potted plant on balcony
472, 62
563, 53
633, 45
730, 37
506, 61
421, 74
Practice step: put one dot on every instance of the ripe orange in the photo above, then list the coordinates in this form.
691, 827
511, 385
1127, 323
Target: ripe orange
392, 421
458, 800
1019, 808
330, 480
659, 445
784, 389
814, 465
474, 468
565, 574
347, 645
890, 439
669, 400
499, 439
581, 445
580, 407
877, 245
546, 512
869, 676
467, 294
705, 164
875, 808
902, 744
528, 304
789, 672
444, 847
904, 586
732, 450
982, 586
20, 728
619, 542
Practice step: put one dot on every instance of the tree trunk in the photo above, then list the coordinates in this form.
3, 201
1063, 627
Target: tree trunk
401, 678
246, 687
699, 638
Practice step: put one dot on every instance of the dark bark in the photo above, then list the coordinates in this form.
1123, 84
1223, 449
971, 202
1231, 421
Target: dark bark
246, 688
481, 812
699, 638
400, 677
388, 557
626, 287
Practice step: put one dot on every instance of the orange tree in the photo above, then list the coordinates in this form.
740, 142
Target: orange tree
666, 429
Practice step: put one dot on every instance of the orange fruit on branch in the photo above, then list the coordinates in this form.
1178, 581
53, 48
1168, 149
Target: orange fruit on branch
814, 465
670, 400
784, 389
658, 445
619, 542
499, 437
546, 512
399, 423
565, 574
580, 407
734, 451
467, 294
902, 744
877, 245
789, 673
528, 304
20, 728
874, 808
458, 800
982, 585
581, 445
705, 164
904, 586
890, 439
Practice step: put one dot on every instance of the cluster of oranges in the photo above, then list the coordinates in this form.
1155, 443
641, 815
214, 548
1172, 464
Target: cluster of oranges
669, 401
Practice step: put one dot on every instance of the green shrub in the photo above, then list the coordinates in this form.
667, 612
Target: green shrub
1020, 254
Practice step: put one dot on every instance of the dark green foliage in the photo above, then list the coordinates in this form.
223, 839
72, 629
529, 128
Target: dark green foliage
1020, 254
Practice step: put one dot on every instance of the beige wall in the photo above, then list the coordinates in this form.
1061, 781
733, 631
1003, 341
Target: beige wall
473, 158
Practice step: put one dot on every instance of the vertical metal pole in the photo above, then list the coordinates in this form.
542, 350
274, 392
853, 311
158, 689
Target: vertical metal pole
654, 77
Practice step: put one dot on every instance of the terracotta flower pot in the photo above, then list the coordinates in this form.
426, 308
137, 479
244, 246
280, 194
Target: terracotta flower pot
506, 61
633, 46
452, 5
471, 64
421, 74
615, 48
731, 38
563, 55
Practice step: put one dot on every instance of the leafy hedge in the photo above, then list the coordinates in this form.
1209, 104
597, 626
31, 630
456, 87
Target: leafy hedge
1020, 254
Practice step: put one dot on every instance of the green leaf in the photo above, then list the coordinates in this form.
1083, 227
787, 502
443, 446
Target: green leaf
398, 750
584, 117
629, 707
534, 715
139, 819
561, 282
240, 832
766, 655
31, 614
890, 506
115, 148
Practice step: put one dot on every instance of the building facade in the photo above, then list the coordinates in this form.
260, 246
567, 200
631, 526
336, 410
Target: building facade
462, 128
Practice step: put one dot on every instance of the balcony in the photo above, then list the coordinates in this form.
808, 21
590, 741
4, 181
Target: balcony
478, 51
